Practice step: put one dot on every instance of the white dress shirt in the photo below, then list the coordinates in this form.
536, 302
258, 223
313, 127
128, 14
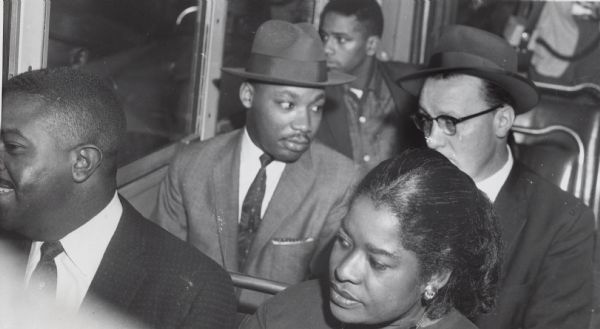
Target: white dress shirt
491, 186
249, 166
83, 251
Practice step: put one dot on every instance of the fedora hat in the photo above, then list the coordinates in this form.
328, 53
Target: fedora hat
289, 54
468, 50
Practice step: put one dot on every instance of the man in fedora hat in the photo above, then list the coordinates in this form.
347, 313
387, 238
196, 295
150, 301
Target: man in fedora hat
367, 120
469, 95
265, 200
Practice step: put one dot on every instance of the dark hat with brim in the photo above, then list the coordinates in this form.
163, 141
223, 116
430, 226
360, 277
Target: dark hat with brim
467, 50
289, 54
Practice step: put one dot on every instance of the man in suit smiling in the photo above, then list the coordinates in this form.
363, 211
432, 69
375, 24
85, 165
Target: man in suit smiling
61, 132
265, 200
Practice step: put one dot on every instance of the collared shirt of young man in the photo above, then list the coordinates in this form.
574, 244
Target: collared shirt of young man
371, 124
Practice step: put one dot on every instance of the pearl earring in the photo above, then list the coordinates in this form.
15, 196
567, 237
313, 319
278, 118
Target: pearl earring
429, 292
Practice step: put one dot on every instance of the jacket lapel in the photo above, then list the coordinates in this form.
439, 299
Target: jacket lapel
511, 207
224, 187
120, 273
291, 190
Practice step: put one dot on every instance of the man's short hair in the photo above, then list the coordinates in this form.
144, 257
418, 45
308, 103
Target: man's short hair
367, 12
80, 107
495, 95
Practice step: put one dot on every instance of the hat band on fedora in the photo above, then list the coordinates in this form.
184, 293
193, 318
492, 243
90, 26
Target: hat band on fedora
284, 68
462, 60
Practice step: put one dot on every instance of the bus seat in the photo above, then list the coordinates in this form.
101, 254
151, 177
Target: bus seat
244, 281
538, 146
559, 140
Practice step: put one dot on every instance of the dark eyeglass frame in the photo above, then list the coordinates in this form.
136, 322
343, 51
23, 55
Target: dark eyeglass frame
425, 123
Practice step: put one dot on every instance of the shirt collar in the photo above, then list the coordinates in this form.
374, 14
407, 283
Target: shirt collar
491, 186
249, 150
86, 245
373, 82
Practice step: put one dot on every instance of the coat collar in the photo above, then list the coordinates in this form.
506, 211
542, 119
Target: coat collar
290, 192
225, 190
511, 206
120, 273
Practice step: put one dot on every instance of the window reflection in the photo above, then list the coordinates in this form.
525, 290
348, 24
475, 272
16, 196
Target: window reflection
243, 19
139, 48
563, 43
5, 38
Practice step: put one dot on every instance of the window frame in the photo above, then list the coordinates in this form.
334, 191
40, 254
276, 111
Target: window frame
28, 49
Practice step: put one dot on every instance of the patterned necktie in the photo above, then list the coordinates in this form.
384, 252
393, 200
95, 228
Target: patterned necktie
250, 218
44, 276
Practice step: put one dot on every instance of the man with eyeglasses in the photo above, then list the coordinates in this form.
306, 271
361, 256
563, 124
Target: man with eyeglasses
469, 96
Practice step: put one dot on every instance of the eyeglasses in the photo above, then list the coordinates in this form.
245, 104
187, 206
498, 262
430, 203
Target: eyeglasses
447, 123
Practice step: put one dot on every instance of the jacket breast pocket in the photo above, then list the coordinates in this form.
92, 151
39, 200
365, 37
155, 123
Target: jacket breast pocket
290, 241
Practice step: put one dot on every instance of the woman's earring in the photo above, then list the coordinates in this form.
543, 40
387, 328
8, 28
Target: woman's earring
429, 292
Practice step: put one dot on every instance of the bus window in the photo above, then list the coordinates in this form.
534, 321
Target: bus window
5, 37
145, 50
558, 41
243, 19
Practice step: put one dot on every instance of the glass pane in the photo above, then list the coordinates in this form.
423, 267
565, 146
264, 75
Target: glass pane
144, 51
243, 19
5, 38
563, 43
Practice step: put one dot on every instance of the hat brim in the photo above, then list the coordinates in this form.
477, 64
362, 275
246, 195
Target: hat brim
522, 90
333, 78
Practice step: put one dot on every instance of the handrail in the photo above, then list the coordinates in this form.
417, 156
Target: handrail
185, 12
580, 146
565, 88
245, 281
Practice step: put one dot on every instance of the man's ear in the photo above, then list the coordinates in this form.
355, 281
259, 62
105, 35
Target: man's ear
503, 121
86, 159
246, 94
372, 45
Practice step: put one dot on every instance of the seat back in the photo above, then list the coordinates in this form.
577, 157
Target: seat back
556, 152
559, 140
244, 281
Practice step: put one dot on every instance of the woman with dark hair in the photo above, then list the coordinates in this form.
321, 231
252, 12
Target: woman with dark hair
419, 248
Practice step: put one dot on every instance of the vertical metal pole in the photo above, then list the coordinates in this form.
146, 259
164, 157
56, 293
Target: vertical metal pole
212, 50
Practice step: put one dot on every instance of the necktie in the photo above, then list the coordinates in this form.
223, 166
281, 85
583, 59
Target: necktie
250, 218
44, 276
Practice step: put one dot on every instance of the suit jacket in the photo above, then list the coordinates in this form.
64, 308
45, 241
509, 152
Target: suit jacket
546, 278
148, 278
395, 129
154, 277
198, 202
306, 306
